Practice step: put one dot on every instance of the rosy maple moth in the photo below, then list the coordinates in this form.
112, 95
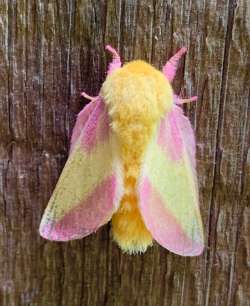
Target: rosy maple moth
132, 161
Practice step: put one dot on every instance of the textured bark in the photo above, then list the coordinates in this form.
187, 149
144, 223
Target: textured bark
49, 52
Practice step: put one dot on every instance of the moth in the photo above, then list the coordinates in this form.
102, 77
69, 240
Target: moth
131, 161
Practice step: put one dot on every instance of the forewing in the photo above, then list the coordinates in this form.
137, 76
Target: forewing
90, 186
168, 187
82, 118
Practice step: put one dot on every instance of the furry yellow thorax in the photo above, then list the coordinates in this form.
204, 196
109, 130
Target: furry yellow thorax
137, 96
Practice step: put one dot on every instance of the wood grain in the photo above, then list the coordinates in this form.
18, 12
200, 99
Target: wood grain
49, 52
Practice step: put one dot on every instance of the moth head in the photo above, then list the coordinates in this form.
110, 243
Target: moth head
138, 84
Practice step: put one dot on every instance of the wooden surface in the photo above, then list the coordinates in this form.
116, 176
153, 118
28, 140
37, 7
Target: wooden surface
49, 52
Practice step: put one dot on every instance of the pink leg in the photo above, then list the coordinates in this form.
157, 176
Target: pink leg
180, 101
116, 62
171, 66
86, 96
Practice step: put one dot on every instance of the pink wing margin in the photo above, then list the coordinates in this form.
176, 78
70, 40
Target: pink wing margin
90, 186
168, 190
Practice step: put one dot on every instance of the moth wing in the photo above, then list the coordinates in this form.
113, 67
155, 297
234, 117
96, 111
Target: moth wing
168, 189
81, 120
89, 189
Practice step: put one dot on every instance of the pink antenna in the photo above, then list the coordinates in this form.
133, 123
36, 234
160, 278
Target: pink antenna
169, 70
116, 62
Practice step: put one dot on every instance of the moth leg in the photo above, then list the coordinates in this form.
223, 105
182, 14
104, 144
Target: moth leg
180, 101
85, 95
169, 70
116, 62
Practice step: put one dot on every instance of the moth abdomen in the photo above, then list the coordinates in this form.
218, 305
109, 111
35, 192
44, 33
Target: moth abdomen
128, 227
